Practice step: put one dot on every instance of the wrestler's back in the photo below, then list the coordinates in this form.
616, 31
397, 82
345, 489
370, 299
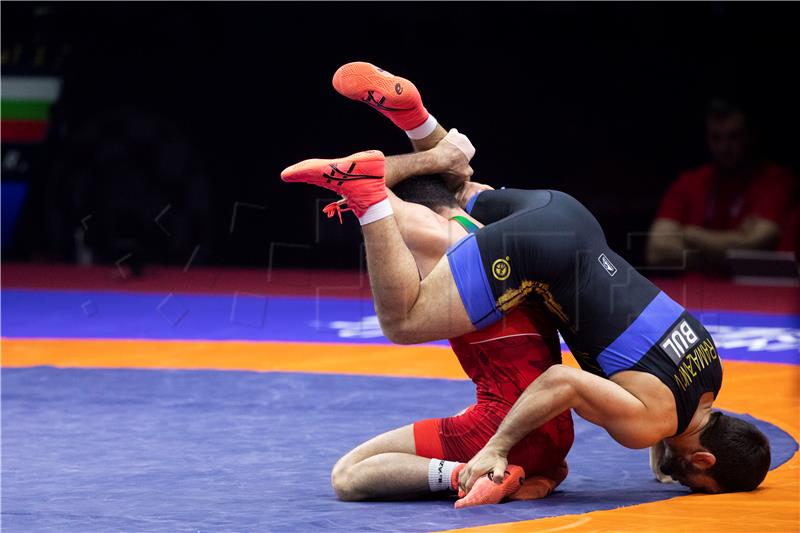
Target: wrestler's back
503, 359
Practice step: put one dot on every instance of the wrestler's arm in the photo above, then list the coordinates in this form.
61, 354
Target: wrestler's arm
598, 400
450, 158
468, 190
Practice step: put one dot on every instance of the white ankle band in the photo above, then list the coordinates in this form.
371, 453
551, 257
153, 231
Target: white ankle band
376, 212
424, 129
439, 473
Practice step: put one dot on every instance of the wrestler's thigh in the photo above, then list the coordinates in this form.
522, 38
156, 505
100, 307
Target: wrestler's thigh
439, 312
400, 440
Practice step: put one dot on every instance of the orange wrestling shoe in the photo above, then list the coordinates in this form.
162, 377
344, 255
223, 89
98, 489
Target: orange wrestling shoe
537, 487
395, 97
486, 491
357, 178
534, 488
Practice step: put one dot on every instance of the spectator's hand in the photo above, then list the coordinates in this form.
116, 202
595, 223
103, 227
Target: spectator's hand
453, 154
469, 189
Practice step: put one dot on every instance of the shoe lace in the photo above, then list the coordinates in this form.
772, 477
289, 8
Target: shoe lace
336, 208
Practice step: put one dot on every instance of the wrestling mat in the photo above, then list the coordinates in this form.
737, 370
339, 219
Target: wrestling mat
220, 400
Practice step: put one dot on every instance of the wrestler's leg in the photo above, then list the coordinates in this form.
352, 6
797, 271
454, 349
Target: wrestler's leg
396, 98
381, 467
426, 143
410, 310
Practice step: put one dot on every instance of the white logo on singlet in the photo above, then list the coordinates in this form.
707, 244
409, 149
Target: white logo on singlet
679, 340
607, 264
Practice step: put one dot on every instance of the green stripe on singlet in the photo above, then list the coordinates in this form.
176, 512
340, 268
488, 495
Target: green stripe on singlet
466, 223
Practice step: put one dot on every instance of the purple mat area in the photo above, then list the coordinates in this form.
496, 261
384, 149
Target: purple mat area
160, 451
104, 315
120, 315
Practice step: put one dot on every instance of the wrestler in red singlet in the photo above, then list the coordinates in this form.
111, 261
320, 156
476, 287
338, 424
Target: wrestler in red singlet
502, 360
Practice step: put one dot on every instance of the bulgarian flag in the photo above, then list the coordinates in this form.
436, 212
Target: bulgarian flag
25, 107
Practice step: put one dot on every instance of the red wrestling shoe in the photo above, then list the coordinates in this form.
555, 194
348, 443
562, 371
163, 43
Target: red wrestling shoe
395, 97
357, 178
486, 491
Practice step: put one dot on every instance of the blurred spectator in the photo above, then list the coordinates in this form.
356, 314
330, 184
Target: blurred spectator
738, 201
790, 240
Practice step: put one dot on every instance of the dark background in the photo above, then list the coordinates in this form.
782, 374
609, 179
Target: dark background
199, 106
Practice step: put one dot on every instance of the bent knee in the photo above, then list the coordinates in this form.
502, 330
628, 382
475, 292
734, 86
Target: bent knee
342, 482
556, 377
399, 332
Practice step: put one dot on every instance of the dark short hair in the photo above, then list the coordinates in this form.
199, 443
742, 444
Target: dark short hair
429, 191
723, 108
742, 452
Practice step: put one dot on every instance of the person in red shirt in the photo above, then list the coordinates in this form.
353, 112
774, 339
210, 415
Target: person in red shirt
790, 240
735, 202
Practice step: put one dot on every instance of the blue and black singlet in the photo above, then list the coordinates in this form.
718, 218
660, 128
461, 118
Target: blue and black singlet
545, 245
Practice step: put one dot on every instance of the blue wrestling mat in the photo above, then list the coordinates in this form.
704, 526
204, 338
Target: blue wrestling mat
202, 451
739, 336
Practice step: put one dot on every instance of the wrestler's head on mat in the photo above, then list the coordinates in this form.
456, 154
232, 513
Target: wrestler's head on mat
731, 455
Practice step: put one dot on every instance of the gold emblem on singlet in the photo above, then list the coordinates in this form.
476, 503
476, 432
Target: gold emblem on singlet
549, 301
501, 269
513, 297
